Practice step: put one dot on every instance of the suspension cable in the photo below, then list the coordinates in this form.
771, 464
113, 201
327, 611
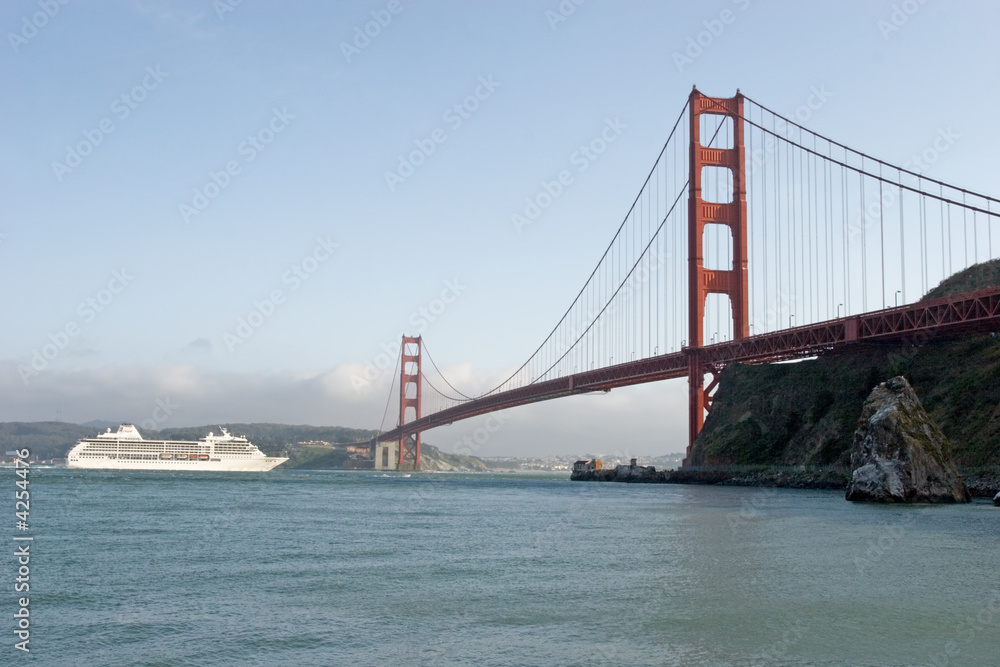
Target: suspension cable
389, 398
439, 392
429, 357
624, 280
600, 262
865, 156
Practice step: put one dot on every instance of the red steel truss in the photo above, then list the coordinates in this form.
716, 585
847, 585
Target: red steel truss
948, 317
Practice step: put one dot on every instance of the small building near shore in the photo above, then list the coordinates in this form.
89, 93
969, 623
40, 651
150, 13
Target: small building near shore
584, 465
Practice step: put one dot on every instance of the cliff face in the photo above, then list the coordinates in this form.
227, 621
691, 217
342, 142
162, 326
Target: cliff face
805, 413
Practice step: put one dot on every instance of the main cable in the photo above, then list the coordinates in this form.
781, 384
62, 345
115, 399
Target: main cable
388, 399
429, 357
600, 261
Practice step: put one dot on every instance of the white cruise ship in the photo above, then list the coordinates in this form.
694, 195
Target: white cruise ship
127, 450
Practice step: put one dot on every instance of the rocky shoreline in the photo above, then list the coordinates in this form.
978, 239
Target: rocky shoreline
981, 485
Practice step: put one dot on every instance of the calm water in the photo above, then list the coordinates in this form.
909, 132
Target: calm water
331, 568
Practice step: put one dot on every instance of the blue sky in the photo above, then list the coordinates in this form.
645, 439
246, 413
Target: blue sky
189, 89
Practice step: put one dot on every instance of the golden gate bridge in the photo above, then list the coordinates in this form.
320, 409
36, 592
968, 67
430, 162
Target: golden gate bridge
791, 245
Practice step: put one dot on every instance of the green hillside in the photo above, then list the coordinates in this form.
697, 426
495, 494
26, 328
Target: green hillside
47, 440
805, 413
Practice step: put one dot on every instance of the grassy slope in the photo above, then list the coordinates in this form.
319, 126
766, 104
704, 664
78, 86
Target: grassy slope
806, 413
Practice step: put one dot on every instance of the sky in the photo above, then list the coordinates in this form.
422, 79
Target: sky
211, 213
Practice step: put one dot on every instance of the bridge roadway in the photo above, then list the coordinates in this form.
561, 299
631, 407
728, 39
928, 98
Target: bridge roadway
947, 317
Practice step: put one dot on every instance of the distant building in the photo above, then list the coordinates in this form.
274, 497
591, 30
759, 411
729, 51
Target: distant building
585, 465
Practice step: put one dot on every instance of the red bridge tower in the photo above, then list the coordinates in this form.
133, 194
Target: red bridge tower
733, 214
409, 379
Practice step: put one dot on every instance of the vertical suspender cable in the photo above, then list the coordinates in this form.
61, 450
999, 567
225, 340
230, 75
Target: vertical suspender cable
923, 245
975, 235
902, 237
944, 272
864, 247
965, 231
881, 232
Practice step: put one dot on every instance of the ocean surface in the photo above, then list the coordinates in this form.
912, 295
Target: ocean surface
365, 568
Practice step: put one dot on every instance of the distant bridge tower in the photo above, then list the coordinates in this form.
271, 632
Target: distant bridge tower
732, 214
409, 397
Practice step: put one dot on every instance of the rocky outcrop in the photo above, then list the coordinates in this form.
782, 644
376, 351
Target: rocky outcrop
996, 500
624, 473
982, 485
899, 454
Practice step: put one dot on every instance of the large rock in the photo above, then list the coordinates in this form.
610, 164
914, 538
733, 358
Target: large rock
996, 500
899, 454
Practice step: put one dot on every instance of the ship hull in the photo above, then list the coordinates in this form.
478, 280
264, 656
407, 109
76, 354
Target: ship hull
222, 465
127, 450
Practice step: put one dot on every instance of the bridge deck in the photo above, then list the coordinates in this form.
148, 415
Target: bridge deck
948, 317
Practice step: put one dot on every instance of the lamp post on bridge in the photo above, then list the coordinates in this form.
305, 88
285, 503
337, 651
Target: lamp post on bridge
898, 292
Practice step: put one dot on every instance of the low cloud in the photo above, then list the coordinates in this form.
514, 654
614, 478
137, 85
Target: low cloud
199, 345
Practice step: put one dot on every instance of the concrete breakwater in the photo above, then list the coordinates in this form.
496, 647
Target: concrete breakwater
795, 478
791, 477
